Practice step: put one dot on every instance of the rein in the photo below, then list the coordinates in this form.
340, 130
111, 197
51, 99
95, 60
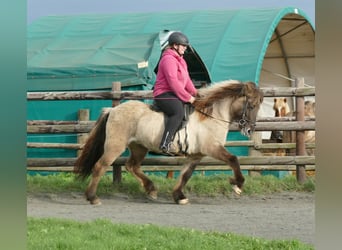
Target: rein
213, 117
242, 122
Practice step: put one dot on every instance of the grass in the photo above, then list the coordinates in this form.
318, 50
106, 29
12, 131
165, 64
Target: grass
51, 234
211, 186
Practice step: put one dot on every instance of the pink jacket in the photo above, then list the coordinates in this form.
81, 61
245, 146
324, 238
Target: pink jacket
173, 76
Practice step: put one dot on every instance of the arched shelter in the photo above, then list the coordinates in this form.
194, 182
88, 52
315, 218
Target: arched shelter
89, 52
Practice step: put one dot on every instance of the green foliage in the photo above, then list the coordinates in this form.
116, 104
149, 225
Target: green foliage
200, 185
52, 234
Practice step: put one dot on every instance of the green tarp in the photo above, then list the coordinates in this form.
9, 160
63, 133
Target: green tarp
89, 62
91, 51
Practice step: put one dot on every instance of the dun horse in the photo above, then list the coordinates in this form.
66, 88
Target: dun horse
309, 135
134, 125
281, 109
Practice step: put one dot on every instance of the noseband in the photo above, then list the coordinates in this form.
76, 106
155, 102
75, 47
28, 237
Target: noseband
243, 122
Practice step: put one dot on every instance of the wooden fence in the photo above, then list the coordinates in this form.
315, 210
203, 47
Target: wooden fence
300, 162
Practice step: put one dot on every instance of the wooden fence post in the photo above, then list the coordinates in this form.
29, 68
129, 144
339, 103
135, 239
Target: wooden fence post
83, 115
300, 135
117, 175
257, 140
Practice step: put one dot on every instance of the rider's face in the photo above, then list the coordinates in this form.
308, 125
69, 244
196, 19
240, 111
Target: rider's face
180, 48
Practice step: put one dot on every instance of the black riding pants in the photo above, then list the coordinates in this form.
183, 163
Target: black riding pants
173, 107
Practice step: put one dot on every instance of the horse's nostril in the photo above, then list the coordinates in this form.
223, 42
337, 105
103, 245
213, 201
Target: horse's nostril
246, 132
250, 131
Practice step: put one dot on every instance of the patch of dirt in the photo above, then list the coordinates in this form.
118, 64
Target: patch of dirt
276, 216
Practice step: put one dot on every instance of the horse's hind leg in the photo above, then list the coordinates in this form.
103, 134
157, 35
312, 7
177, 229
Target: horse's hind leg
137, 155
98, 171
178, 195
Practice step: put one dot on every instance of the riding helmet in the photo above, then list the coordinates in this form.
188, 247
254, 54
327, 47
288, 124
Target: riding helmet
178, 38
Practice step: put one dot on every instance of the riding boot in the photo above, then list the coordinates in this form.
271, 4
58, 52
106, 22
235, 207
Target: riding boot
166, 145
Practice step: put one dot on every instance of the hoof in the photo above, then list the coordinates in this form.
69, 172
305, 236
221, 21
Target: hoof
183, 201
153, 195
236, 189
95, 201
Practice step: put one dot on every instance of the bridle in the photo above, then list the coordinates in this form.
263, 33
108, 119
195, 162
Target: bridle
242, 123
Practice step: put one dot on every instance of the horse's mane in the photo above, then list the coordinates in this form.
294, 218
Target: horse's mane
217, 91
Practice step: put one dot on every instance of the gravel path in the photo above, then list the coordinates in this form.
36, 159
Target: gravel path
276, 216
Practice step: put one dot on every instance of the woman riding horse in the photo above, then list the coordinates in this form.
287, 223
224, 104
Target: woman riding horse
134, 125
173, 88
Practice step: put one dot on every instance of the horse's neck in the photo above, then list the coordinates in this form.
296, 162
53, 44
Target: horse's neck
215, 126
221, 110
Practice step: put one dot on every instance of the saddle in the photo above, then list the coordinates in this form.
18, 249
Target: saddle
188, 110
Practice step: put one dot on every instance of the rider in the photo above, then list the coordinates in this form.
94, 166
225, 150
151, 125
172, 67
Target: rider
173, 87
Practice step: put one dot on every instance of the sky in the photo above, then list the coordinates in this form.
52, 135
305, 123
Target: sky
40, 8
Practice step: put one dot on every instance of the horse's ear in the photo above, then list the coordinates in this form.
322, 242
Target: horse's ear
275, 100
285, 100
252, 84
249, 87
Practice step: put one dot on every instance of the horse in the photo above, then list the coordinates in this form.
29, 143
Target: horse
281, 109
309, 135
136, 126
310, 108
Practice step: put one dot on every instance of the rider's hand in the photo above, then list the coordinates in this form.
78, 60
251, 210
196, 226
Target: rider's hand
192, 99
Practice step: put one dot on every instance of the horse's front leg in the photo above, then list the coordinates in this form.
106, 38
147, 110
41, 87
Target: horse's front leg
220, 153
185, 175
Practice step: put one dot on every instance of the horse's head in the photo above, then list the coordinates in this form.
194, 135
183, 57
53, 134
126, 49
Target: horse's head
245, 108
244, 100
309, 108
281, 107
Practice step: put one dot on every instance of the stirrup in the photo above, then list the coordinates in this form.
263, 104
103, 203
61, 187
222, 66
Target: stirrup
165, 150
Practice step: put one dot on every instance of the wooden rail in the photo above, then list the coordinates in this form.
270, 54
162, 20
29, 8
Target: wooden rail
77, 146
85, 127
251, 163
147, 94
163, 168
177, 161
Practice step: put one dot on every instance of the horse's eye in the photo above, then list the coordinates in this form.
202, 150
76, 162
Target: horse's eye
250, 106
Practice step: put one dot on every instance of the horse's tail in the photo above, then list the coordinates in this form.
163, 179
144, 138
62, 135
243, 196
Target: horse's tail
93, 148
